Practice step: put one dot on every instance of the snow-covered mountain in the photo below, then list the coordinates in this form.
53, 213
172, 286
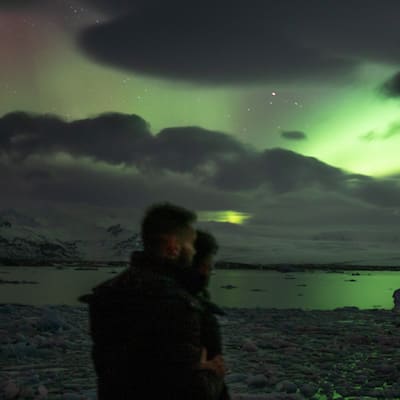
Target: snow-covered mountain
63, 236
25, 238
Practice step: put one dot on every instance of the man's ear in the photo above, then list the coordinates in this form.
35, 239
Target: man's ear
172, 246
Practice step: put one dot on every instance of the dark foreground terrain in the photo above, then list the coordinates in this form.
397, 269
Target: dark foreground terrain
271, 354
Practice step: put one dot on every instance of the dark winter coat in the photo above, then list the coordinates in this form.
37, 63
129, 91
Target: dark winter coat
210, 331
146, 333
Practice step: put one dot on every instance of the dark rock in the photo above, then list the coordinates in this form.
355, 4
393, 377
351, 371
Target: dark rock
287, 387
228, 287
308, 390
257, 381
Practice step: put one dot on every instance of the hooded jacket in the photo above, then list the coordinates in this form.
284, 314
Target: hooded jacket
146, 333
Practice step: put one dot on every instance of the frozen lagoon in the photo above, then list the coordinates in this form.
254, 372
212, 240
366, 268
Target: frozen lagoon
271, 353
250, 288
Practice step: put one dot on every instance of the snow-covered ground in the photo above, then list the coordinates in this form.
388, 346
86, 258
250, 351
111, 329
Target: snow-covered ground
271, 354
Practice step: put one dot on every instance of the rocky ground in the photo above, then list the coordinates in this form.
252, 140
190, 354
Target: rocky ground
271, 354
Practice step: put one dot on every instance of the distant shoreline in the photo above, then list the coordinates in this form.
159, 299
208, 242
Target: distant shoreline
220, 265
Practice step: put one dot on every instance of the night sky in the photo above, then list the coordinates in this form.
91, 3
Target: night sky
279, 121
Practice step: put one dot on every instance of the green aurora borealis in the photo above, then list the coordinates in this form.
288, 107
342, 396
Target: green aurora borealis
60, 80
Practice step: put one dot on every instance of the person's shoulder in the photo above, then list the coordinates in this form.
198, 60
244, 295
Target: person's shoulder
158, 287
104, 288
127, 285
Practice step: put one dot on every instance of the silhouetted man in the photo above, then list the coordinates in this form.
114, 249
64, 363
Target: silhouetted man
146, 326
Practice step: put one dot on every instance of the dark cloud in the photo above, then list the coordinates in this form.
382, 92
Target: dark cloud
110, 137
362, 30
117, 138
383, 192
186, 148
213, 42
281, 169
38, 175
113, 160
293, 135
232, 42
76, 182
391, 88
288, 170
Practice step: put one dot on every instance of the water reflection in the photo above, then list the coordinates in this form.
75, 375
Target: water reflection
239, 288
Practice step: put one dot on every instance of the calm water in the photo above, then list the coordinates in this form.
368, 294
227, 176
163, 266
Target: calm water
314, 290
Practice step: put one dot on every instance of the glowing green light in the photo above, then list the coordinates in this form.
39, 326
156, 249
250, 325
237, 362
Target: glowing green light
336, 134
233, 217
163, 104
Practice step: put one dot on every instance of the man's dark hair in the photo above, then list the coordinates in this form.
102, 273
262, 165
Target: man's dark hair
164, 219
206, 245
